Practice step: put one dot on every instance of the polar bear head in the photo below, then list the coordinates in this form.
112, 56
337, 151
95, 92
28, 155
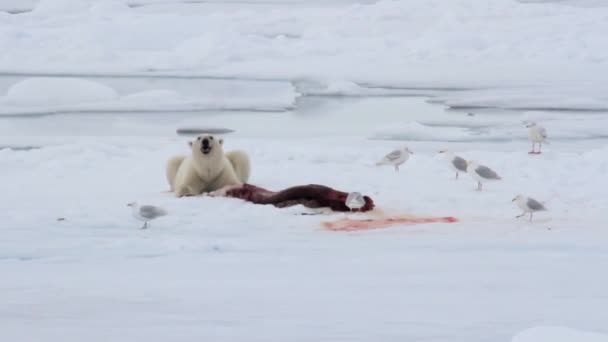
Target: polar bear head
205, 144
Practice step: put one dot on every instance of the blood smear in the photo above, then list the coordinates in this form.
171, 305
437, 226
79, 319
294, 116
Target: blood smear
347, 225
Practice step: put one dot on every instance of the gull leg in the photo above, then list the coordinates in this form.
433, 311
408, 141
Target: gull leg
479, 186
533, 148
531, 216
456, 175
396, 167
145, 225
540, 145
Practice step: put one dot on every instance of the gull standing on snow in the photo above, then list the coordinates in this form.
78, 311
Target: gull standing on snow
458, 164
537, 135
146, 212
528, 205
481, 173
396, 158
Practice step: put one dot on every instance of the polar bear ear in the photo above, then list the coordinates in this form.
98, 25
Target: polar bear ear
221, 141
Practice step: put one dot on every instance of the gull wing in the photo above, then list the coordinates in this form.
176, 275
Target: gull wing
150, 211
459, 163
543, 132
534, 204
486, 172
396, 154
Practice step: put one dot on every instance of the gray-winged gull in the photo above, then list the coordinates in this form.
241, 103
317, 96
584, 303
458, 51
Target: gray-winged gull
537, 135
457, 163
396, 157
529, 205
146, 212
481, 173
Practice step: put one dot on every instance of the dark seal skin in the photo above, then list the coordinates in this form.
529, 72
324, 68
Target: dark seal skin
311, 196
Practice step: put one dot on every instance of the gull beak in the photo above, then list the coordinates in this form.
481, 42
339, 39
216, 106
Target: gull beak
513, 200
130, 204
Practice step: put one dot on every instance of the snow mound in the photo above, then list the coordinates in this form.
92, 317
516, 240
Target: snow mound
342, 87
44, 96
558, 334
58, 91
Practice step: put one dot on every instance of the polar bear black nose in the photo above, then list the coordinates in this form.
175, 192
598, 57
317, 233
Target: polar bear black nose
205, 142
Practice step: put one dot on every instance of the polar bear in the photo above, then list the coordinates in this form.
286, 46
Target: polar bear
207, 169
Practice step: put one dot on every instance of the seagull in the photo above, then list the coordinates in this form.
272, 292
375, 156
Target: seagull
481, 173
396, 157
537, 135
354, 201
146, 212
528, 205
458, 164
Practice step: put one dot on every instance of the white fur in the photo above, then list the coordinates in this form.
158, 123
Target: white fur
200, 173
172, 167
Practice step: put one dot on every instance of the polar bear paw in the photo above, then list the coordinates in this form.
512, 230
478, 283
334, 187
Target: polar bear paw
223, 191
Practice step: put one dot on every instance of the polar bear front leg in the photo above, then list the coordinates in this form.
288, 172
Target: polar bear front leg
222, 191
186, 191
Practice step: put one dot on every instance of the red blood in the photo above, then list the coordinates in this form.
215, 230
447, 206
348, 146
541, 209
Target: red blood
346, 225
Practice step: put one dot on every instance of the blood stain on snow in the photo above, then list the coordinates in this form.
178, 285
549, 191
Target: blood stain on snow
347, 224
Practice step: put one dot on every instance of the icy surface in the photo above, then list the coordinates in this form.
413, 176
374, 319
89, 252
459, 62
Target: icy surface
416, 43
48, 95
56, 91
221, 269
92, 92
558, 334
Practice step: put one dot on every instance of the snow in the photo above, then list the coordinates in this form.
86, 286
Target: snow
47, 95
61, 7
558, 334
385, 43
47, 91
92, 93
221, 269
343, 46
570, 97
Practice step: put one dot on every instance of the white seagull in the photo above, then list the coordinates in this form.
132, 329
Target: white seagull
354, 201
396, 157
458, 164
528, 205
481, 173
537, 135
146, 212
